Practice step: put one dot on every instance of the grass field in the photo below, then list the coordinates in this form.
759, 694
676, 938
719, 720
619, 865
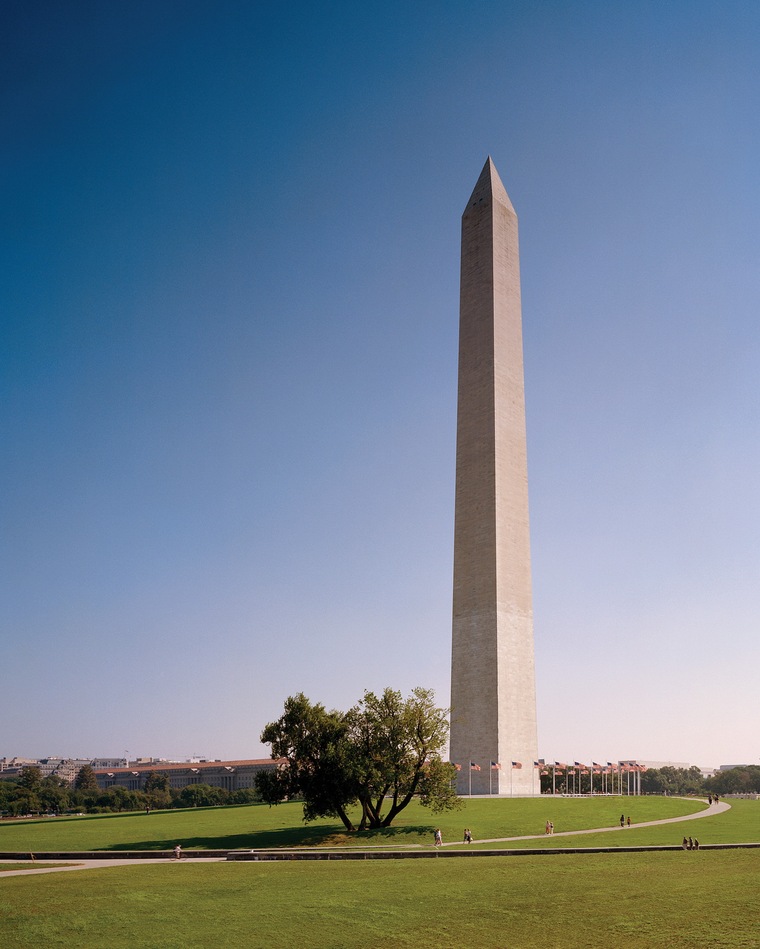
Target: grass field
681, 900
260, 826
19, 865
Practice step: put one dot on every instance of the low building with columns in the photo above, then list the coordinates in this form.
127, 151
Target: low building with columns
230, 775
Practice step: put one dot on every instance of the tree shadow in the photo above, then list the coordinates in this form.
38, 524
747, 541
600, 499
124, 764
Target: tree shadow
285, 837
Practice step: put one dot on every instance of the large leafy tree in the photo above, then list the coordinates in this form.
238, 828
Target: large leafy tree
31, 779
316, 760
157, 789
398, 744
54, 794
381, 754
85, 779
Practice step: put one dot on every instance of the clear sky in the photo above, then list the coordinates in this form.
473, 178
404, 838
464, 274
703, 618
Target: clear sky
228, 363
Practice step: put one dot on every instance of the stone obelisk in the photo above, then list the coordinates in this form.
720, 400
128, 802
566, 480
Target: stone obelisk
493, 692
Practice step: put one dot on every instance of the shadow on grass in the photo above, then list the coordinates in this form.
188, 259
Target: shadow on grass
285, 837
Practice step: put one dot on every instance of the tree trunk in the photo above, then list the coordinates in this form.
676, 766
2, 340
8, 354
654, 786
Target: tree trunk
346, 821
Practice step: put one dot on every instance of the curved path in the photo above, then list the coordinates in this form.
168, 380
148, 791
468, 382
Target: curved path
64, 866
709, 811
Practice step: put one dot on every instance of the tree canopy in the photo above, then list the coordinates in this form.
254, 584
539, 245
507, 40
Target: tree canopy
743, 779
85, 779
380, 754
157, 789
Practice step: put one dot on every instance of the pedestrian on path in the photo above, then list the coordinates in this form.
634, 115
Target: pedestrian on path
178, 852
437, 837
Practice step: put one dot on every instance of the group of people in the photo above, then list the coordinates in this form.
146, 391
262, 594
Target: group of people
549, 827
712, 798
438, 837
690, 843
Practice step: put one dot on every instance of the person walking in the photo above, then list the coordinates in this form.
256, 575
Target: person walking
622, 820
178, 852
438, 837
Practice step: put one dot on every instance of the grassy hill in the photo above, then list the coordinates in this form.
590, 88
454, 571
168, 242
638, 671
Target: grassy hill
259, 826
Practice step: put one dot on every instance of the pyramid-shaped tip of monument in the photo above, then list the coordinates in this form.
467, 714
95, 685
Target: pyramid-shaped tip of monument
489, 186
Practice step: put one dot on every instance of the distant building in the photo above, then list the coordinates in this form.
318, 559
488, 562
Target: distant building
64, 768
230, 775
109, 763
12, 767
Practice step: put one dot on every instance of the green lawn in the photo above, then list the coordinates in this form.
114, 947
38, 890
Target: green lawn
35, 865
260, 826
705, 900
678, 900
740, 824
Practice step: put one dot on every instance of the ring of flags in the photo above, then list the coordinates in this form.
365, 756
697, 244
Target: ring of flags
561, 767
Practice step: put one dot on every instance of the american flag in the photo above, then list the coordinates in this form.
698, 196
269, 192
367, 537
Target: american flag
458, 767
474, 767
517, 764
495, 766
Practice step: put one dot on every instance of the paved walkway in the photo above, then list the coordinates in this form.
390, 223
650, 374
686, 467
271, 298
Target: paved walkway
65, 866
709, 811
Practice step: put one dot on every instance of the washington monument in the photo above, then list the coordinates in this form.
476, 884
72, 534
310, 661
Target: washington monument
493, 690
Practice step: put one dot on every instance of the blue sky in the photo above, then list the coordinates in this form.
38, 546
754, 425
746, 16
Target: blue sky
228, 372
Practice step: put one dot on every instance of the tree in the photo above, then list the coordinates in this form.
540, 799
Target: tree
85, 779
317, 760
8, 792
669, 780
31, 778
744, 779
397, 744
157, 789
54, 794
201, 795
383, 752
